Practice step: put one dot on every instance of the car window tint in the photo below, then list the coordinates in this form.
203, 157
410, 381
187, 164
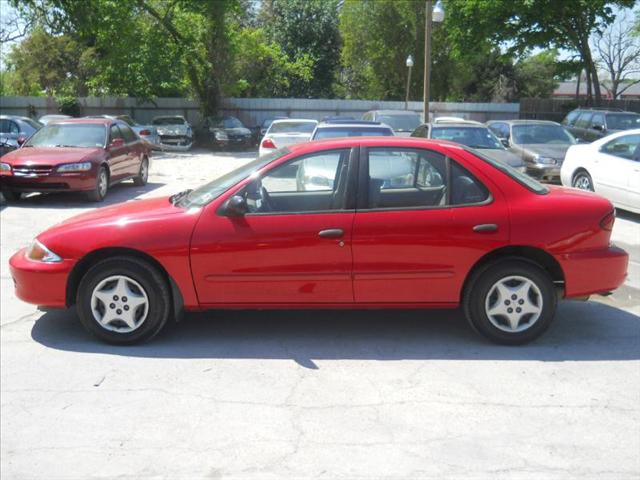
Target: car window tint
114, 132
501, 130
7, 126
597, 119
314, 182
127, 133
583, 120
623, 147
465, 188
571, 118
623, 121
406, 178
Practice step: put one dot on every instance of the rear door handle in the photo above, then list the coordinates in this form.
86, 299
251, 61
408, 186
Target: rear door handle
331, 233
486, 227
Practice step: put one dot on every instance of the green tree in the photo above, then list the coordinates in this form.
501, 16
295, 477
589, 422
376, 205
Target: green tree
536, 76
523, 24
45, 63
146, 47
306, 29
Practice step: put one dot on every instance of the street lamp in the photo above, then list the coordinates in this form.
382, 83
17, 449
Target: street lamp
409, 65
432, 14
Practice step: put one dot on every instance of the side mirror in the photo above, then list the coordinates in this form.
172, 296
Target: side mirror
116, 143
21, 139
598, 127
236, 206
505, 142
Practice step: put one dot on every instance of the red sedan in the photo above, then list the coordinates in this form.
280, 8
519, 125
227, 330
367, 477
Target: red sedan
370, 223
76, 155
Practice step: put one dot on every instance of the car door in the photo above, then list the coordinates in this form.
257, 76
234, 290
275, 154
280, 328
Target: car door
581, 128
617, 170
134, 148
596, 127
118, 156
422, 221
293, 246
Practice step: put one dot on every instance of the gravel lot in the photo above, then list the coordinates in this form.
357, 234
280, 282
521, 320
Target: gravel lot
365, 395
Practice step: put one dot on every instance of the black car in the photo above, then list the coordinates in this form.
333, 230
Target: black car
213, 130
591, 124
15, 130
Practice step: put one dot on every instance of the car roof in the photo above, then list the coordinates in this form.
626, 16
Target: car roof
348, 142
96, 121
394, 112
524, 122
287, 120
15, 117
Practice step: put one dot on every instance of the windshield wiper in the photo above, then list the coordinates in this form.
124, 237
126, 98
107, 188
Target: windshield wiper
174, 199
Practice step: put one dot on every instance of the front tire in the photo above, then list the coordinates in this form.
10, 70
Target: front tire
102, 186
510, 302
143, 174
582, 180
11, 195
123, 300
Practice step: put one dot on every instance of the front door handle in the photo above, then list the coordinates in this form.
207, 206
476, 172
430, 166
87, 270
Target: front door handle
486, 227
331, 233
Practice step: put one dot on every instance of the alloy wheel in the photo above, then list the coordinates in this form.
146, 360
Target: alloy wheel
119, 304
514, 304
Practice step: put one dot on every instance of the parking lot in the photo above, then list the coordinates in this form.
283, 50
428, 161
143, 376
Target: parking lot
327, 394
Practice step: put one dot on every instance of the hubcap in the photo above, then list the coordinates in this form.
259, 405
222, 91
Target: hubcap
102, 184
119, 304
144, 170
582, 182
514, 304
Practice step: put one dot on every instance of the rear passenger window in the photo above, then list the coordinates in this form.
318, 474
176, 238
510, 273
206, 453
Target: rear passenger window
465, 188
412, 178
583, 120
571, 118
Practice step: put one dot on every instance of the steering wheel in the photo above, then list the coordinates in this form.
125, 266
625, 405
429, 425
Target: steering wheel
266, 206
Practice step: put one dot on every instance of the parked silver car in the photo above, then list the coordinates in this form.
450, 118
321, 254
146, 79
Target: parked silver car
174, 131
148, 133
540, 143
403, 122
473, 135
15, 130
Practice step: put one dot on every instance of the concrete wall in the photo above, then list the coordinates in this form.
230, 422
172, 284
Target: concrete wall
252, 111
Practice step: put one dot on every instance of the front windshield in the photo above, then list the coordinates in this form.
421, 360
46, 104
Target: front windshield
232, 122
168, 121
521, 178
212, 190
293, 127
474, 137
339, 132
401, 122
623, 121
69, 135
541, 134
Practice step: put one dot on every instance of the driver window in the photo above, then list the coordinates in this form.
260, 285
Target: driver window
312, 183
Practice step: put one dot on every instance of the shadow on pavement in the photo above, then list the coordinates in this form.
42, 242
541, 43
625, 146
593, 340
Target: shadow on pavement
119, 193
633, 217
587, 331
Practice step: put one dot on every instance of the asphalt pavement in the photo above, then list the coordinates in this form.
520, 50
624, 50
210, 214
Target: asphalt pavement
326, 394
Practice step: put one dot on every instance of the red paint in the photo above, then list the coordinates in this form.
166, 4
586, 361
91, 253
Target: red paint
123, 162
385, 259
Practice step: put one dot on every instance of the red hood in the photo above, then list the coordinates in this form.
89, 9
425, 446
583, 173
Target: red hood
128, 212
50, 155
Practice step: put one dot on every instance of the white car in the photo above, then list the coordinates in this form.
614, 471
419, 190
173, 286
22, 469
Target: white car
609, 166
286, 132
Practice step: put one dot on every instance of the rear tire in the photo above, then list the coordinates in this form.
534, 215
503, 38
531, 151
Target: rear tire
582, 180
123, 300
101, 188
143, 174
11, 195
510, 302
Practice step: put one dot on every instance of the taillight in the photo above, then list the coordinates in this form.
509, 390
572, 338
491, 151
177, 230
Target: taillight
607, 222
268, 143
145, 132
